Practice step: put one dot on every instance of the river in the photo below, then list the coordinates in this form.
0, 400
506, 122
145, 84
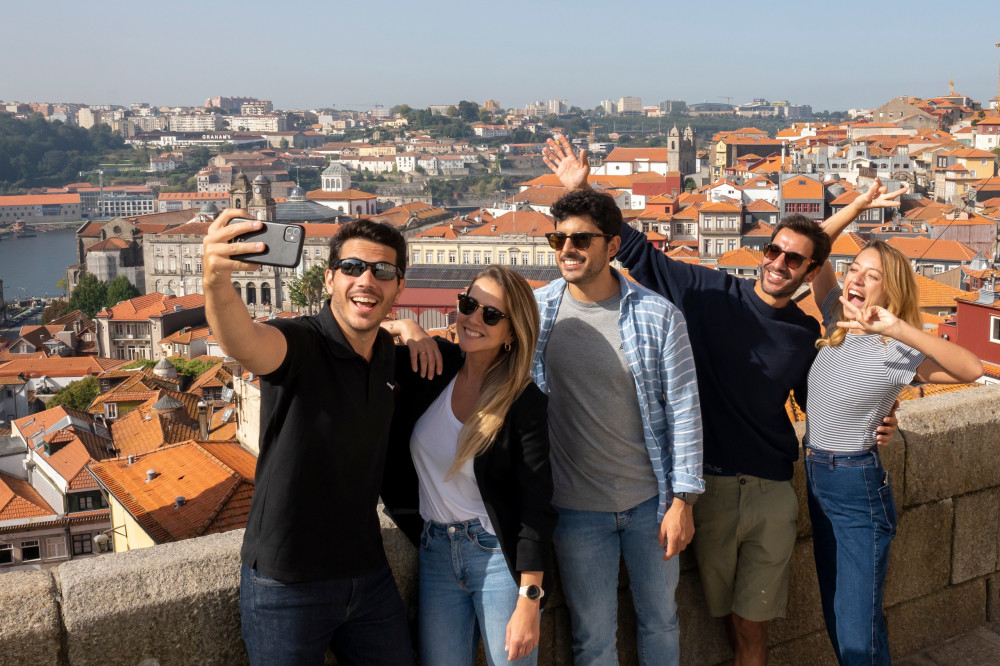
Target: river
32, 266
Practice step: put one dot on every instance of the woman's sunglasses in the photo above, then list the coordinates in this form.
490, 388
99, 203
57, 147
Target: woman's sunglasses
580, 240
467, 305
792, 259
382, 270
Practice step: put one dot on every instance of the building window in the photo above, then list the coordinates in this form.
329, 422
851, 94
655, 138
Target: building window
82, 544
552, 258
55, 548
476, 258
938, 269
429, 256
111, 410
487, 257
30, 551
265, 295
995, 329
465, 257
452, 257
6, 553
440, 257
501, 258
251, 294
416, 256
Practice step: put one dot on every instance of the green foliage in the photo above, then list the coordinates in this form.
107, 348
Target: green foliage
308, 290
468, 111
90, 296
120, 289
38, 153
189, 370
54, 310
77, 395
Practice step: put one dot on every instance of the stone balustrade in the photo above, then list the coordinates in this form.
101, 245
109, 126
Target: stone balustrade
177, 603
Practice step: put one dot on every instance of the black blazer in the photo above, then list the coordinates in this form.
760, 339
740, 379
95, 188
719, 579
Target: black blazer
513, 475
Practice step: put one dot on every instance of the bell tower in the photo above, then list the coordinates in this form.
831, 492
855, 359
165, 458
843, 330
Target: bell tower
239, 191
261, 205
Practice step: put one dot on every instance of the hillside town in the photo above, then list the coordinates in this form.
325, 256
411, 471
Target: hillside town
157, 457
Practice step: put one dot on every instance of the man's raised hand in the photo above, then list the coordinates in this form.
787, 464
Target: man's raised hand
571, 169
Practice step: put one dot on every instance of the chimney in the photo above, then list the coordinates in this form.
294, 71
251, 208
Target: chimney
203, 419
179, 502
131, 459
150, 475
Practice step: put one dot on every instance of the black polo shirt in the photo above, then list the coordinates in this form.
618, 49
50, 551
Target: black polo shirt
324, 424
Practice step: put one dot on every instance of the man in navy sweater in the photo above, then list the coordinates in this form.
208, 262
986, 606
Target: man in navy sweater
752, 345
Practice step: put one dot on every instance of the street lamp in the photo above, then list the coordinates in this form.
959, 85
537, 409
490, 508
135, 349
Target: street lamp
102, 540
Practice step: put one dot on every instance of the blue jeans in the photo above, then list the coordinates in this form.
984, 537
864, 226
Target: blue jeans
361, 619
853, 522
466, 590
589, 545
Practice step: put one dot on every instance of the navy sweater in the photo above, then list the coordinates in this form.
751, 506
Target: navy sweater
748, 355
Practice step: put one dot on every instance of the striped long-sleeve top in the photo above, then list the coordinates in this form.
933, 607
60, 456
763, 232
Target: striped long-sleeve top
658, 352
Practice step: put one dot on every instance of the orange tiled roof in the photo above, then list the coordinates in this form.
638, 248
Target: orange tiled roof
18, 500
528, 222
143, 430
56, 366
142, 308
347, 195
438, 231
39, 199
848, 245
802, 188
721, 207
925, 248
638, 154
216, 481
934, 294
743, 257
761, 206
760, 229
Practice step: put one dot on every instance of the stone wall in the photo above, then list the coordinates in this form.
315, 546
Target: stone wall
177, 603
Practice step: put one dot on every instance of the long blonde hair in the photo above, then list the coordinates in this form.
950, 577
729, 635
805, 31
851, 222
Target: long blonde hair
510, 371
900, 288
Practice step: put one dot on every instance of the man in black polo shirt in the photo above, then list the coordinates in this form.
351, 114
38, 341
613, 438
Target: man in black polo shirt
314, 572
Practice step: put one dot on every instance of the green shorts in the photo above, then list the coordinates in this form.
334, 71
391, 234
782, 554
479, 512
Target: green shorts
744, 533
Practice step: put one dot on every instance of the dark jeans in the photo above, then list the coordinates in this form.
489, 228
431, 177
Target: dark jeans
361, 619
854, 521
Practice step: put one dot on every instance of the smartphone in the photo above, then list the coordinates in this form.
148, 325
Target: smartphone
282, 241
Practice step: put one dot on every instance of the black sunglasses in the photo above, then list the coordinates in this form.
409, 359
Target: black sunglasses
467, 305
792, 259
382, 270
580, 239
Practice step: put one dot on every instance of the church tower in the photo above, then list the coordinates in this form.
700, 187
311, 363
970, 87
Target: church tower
261, 205
239, 191
336, 178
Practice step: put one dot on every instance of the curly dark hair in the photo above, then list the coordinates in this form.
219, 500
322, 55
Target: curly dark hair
600, 207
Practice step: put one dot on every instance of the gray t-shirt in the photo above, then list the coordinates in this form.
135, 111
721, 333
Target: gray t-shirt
852, 387
599, 456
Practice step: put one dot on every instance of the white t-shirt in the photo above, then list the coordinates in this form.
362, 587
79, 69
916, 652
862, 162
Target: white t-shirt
433, 445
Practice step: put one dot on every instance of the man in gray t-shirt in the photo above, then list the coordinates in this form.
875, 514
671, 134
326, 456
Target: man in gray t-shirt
625, 433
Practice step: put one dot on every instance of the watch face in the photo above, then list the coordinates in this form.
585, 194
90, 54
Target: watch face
256, 190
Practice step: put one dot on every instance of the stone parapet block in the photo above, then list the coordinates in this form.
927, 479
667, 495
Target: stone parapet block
977, 527
30, 627
930, 620
951, 444
920, 555
165, 603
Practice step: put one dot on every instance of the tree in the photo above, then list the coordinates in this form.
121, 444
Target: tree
54, 310
468, 111
452, 111
120, 290
308, 290
77, 395
89, 296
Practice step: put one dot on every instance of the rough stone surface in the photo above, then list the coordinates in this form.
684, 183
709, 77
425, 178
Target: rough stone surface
30, 630
976, 648
813, 649
703, 637
931, 620
993, 599
920, 556
977, 522
804, 614
947, 436
158, 603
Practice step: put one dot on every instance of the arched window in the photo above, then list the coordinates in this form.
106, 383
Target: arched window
265, 294
251, 294
239, 203
239, 290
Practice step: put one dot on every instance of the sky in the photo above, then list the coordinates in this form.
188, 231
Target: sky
334, 54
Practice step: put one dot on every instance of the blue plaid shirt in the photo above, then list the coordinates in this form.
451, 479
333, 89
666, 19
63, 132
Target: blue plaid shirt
655, 341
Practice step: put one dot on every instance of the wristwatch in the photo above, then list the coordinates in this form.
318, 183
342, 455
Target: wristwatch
690, 498
531, 592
